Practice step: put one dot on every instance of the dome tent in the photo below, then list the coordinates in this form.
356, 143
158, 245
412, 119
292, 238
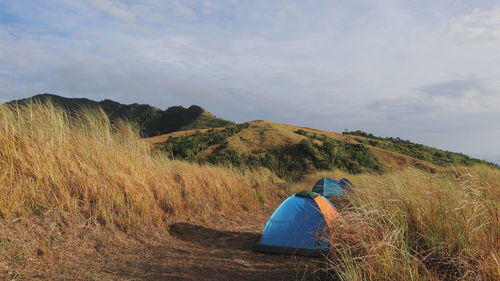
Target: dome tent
345, 184
328, 187
295, 225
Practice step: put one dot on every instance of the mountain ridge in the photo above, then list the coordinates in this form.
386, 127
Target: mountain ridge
151, 120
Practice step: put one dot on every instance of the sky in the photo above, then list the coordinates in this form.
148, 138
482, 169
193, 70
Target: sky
422, 70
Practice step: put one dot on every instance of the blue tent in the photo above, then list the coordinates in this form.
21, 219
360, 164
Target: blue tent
345, 184
328, 187
294, 226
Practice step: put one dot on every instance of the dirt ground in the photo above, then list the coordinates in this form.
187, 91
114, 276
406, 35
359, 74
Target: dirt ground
188, 252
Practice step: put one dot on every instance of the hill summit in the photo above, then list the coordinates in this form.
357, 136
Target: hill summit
152, 121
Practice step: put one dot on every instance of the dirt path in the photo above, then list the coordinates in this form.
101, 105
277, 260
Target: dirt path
200, 253
187, 252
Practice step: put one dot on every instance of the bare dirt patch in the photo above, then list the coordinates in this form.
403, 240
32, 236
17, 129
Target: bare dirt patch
186, 252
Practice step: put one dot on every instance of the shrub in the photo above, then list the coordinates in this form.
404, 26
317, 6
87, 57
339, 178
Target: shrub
354, 158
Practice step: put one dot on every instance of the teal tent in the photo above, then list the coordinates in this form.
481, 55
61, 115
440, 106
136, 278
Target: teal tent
328, 187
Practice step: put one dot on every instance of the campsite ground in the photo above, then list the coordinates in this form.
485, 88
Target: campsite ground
190, 252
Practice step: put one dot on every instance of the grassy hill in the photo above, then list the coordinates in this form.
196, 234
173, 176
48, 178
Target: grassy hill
291, 151
151, 120
82, 198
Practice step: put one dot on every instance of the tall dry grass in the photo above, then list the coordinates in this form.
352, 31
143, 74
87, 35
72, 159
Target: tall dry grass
412, 225
81, 169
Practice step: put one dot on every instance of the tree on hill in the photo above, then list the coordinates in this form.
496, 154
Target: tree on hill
151, 120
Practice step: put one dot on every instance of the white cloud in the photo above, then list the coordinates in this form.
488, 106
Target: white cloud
114, 8
478, 25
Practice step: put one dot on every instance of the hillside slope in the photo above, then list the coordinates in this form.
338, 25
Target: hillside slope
288, 151
291, 151
151, 120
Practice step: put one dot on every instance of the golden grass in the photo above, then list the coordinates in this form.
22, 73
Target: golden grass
89, 171
413, 225
163, 138
263, 136
404, 225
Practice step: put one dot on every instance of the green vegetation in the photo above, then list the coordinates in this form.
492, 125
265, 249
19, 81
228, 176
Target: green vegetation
332, 153
290, 162
187, 147
151, 120
419, 151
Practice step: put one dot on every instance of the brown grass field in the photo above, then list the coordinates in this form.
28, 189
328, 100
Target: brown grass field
84, 199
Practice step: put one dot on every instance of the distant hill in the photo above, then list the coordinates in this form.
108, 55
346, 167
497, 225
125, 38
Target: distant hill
291, 151
152, 121
419, 151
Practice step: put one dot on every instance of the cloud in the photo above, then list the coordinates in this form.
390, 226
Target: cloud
478, 25
466, 95
386, 67
458, 88
113, 8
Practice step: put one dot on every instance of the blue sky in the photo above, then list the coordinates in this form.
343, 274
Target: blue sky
422, 70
